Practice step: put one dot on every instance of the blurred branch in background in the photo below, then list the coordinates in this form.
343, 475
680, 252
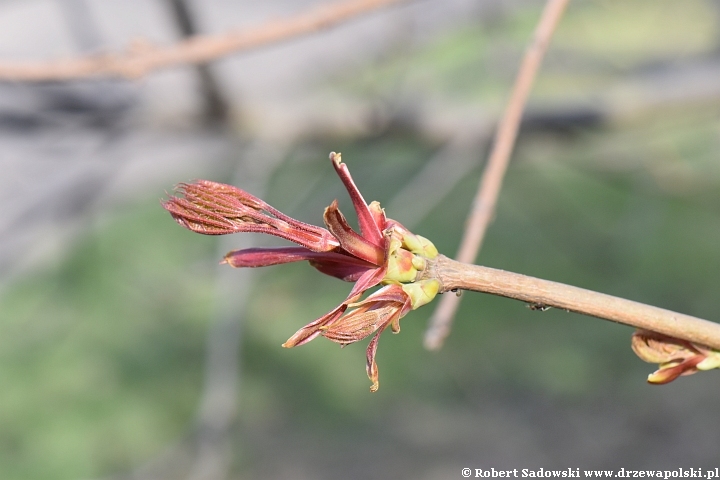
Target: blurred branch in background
143, 57
58, 130
216, 105
483, 207
440, 174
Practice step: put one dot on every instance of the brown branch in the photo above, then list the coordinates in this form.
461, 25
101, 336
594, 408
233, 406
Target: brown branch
142, 57
544, 293
483, 207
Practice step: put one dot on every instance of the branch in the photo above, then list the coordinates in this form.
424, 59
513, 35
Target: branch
483, 208
455, 275
143, 57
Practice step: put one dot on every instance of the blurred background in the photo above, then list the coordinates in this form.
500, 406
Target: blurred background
126, 352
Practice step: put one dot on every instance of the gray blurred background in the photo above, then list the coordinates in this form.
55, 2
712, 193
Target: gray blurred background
126, 352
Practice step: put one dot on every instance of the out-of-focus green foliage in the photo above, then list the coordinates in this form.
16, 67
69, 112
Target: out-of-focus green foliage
101, 356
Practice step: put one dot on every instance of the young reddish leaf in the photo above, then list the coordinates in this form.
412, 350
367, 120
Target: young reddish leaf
349, 239
370, 230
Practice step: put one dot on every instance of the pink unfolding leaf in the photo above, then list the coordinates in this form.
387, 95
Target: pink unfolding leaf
377, 311
371, 367
366, 280
339, 265
393, 293
367, 220
360, 323
313, 329
349, 239
214, 208
373, 315
378, 215
345, 272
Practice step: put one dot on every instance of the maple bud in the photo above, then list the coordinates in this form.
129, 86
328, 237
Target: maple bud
675, 357
383, 253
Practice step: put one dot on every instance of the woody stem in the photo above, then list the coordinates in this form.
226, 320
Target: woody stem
455, 275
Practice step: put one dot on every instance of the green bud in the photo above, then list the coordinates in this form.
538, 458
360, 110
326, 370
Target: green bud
419, 262
419, 245
428, 248
712, 361
400, 267
422, 292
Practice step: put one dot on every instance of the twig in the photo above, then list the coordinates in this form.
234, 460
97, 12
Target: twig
143, 57
544, 293
440, 174
485, 200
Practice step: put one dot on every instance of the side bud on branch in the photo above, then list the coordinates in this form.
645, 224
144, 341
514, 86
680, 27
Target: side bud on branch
676, 357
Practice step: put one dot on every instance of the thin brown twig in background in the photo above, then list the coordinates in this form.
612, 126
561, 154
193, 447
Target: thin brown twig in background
540, 294
483, 207
142, 57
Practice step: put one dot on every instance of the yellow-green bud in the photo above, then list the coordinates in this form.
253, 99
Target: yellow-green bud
419, 245
400, 264
422, 292
419, 262
712, 361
